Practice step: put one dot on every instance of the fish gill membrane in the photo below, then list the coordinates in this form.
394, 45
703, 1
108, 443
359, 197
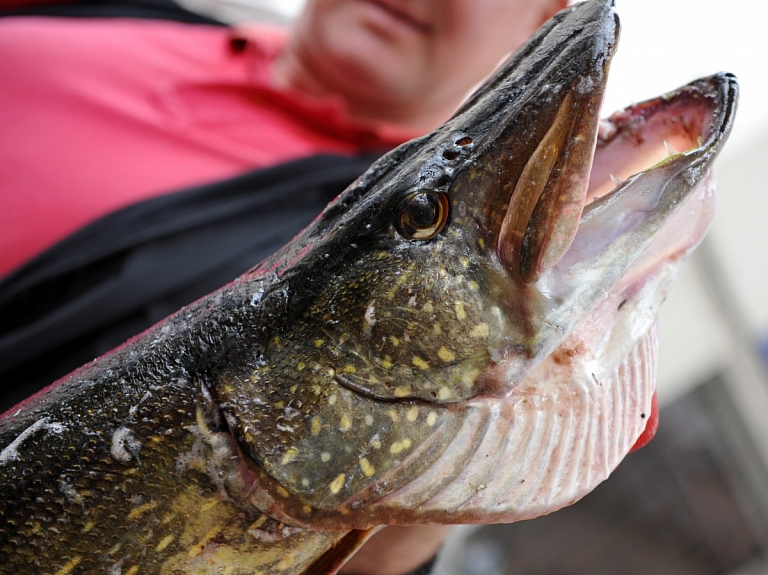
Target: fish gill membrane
465, 335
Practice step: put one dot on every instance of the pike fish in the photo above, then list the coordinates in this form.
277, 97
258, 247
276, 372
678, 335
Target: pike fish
466, 334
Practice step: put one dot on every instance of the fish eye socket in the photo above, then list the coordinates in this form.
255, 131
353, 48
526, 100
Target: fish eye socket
422, 215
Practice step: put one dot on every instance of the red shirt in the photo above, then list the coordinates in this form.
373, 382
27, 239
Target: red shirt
98, 114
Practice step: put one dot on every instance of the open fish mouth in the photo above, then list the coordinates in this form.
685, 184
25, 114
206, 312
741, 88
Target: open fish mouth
505, 279
533, 445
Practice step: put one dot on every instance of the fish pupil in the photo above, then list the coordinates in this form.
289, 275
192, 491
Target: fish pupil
423, 215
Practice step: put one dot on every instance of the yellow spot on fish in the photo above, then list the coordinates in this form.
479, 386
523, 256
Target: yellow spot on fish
195, 550
325, 457
88, 526
461, 313
402, 391
346, 423
337, 483
393, 415
319, 342
133, 570
305, 482
168, 518
349, 368
115, 548
437, 329
394, 340
446, 354
473, 285
137, 512
282, 491
164, 542
289, 455
428, 307
70, 565
280, 404
396, 448
412, 414
255, 377
444, 393
420, 363
316, 389
294, 388
368, 469
331, 372
406, 443
470, 377
376, 444
386, 363
369, 419
344, 337
285, 563
300, 366
315, 425
480, 330
464, 262
307, 509
258, 523
431, 418
481, 242
332, 399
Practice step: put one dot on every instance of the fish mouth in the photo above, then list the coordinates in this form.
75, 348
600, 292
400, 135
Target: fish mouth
567, 231
535, 443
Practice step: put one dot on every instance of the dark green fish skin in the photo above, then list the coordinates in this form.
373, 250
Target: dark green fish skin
258, 429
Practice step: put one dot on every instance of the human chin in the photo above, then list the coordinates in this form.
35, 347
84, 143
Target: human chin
362, 53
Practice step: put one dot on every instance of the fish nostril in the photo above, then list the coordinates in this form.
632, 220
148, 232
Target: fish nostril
465, 141
450, 154
443, 181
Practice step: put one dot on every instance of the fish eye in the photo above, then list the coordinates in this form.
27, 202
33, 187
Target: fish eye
422, 215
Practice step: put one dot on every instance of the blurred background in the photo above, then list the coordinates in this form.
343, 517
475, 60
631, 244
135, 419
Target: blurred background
694, 501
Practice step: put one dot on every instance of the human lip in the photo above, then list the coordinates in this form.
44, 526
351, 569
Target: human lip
399, 13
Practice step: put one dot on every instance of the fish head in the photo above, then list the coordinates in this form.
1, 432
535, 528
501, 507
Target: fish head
471, 334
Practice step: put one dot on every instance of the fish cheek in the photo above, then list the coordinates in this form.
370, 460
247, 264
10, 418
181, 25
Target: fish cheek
321, 442
350, 443
411, 324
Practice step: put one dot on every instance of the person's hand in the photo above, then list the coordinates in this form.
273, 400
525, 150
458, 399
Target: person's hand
397, 550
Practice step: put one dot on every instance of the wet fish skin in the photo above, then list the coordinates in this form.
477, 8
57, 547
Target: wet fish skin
377, 369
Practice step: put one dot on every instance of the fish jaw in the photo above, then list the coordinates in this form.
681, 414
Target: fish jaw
564, 427
477, 366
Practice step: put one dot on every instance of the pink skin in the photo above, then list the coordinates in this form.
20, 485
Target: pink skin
405, 62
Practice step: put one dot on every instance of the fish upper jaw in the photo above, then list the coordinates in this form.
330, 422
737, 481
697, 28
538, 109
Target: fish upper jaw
651, 220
